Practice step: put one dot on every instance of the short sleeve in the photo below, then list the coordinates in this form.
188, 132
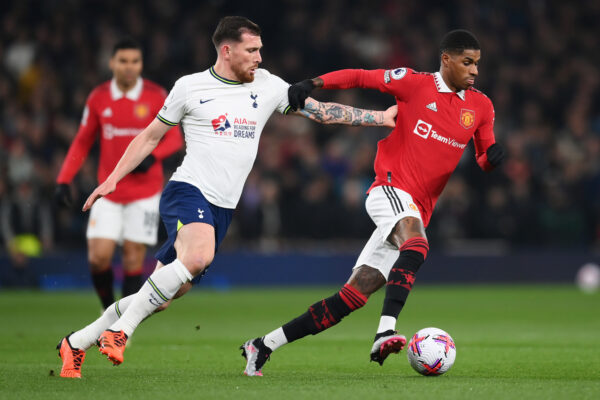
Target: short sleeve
174, 107
281, 94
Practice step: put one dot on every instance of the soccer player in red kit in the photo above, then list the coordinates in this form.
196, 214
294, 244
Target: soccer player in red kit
117, 111
438, 113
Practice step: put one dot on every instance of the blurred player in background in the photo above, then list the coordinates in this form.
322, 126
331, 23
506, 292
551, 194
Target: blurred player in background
438, 114
117, 111
222, 112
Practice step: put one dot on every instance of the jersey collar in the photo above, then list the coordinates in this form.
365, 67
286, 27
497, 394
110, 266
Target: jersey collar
220, 78
443, 88
133, 94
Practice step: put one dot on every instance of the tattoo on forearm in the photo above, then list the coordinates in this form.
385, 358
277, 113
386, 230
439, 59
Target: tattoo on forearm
336, 113
369, 118
310, 111
333, 113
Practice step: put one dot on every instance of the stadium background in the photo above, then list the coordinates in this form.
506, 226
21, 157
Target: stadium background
301, 218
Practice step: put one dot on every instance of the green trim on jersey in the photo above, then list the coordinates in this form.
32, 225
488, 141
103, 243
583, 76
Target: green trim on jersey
220, 78
179, 225
287, 110
166, 121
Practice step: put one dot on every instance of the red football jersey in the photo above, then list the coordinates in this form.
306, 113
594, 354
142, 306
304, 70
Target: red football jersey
434, 125
119, 117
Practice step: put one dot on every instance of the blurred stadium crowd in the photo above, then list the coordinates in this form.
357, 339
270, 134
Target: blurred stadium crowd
540, 66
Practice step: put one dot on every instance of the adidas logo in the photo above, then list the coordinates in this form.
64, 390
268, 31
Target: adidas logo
432, 106
107, 113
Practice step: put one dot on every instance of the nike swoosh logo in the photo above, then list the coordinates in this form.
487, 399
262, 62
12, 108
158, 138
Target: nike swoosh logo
205, 101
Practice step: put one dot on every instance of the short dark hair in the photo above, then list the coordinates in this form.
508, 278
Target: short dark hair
232, 28
459, 40
126, 42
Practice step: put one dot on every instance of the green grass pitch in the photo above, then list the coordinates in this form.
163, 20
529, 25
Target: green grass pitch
513, 342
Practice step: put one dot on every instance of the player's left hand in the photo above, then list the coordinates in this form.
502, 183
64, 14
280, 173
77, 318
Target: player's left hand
495, 154
145, 165
389, 116
104, 189
298, 92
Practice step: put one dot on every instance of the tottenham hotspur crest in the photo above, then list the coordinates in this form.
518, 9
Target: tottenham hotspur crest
253, 97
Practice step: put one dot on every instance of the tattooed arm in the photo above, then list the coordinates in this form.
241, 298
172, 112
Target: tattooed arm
334, 113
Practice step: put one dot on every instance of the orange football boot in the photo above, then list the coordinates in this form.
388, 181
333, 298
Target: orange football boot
112, 345
72, 359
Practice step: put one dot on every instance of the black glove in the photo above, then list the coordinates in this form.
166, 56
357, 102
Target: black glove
495, 154
298, 92
62, 195
145, 165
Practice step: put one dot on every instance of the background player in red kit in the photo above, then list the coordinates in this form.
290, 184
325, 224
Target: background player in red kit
437, 116
118, 110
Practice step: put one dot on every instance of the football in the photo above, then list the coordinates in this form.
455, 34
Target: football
431, 351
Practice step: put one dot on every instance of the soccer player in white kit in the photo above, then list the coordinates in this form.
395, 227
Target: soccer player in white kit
222, 112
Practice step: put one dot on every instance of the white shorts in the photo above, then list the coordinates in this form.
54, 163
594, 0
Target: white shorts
136, 221
386, 206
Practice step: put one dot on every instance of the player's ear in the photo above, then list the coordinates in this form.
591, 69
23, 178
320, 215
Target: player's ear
111, 63
445, 59
225, 51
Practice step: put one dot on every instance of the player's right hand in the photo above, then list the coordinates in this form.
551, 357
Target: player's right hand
495, 154
298, 92
105, 188
389, 116
62, 195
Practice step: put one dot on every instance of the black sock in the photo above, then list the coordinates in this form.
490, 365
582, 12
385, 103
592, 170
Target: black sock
132, 283
324, 314
402, 276
103, 283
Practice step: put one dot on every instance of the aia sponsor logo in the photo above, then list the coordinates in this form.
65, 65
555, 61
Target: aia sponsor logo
242, 128
221, 124
467, 118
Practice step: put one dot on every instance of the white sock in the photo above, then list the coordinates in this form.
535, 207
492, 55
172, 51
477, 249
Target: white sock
275, 339
160, 287
386, 323
84, 338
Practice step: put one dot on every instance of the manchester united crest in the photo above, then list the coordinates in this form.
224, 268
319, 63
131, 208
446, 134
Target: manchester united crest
467, 118
141, 110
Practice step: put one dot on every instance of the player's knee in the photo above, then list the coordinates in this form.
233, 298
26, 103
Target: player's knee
405, 229
133, 255
196, 263
98, 262
132, 262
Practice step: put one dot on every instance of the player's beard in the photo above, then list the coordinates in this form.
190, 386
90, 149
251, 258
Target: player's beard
243, 75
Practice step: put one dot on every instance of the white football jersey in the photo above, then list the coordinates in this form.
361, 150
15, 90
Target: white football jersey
222, 121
